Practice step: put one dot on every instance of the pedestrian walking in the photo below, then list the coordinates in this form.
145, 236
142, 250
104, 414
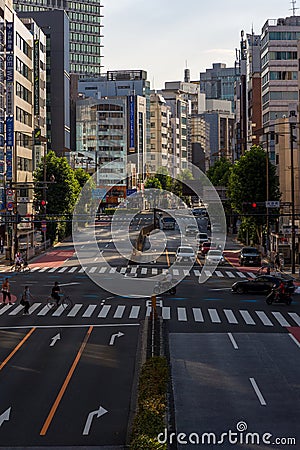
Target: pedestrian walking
6, 291
1, 245
25, 300
277, 261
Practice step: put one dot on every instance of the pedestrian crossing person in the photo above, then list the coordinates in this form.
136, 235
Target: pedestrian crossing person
25, 300
6, 291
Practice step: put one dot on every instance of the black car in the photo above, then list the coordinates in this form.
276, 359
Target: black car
250, 256
262, 284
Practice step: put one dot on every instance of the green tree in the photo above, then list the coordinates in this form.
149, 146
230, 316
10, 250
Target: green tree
153, 183
82, 176
248, 184
219, 173
62, 190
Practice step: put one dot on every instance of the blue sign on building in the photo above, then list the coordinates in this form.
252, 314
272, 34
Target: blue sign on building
9, 160
130, 192
131, 122
9, 68
9, 36
10, 131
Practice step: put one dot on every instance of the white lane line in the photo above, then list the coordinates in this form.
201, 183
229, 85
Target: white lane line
33, 269
102, 270
16, 310
230, 316
182, 314
279, 317
233, 341
113, 270
175, 272
89, 311
154, 271
198, 316
219, 274
4, 309
214, 316
44, 311
104, 311
264, 318
92, 269
134, 313
241, 275
251, 275
197, 273
75, 310
295, 317
166, 312
247, 317
144, 270
73, 269
34, 307
294, 339
44, 269
119, 312
63, 269
257, 392
123, 269
58, 312
53, 269
83, 269
229, 274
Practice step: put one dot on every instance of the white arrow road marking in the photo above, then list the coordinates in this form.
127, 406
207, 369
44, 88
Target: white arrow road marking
55, 339
100, 412
114, 336
5, 416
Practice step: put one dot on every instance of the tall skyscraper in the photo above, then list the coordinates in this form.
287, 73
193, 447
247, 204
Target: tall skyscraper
85, 30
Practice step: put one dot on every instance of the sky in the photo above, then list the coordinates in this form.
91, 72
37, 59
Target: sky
164, 37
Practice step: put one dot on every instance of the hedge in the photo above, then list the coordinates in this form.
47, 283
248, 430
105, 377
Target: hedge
152, 402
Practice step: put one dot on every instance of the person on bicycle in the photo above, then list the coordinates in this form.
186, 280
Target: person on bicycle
18, 260
55, 293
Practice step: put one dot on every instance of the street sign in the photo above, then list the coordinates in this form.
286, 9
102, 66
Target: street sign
273, 204
44, 225
9, 206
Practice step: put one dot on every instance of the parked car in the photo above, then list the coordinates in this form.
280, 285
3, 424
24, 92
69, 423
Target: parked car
250, 256
191, 230
214, 257
185, 253
262, 284
206, 246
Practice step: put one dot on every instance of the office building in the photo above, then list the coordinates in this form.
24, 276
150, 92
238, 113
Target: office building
85, 30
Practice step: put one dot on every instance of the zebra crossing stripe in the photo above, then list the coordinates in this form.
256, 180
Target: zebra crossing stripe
214, 316
102, 270
144, 271
44, 269
251, 275
229, 274
133, 270
89, 311
119, 312
123, 270
73, 269
198, 316
166, 312
4, 309
175, 272
34, 269
241, 275
186, 273
16, 310
208, 273
63, 269
83, 269
181, 312
148, 311
104, 311
219, 274
134, 313
247, 318
52, 270
293, 315
93, 269
279, 317
197, 273
264, 318
154, 271
44, 311
113, 270
230, 316
75, 310
34, 307
58, 312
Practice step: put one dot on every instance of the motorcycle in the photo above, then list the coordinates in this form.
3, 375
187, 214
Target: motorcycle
277, 297
163, 287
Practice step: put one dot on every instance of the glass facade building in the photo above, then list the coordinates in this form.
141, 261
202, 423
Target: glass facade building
85, 30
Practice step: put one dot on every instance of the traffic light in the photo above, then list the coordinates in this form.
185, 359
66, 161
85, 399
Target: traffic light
254, 205
37, 136
43, 203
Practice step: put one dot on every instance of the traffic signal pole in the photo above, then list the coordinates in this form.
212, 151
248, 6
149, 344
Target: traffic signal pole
292, 126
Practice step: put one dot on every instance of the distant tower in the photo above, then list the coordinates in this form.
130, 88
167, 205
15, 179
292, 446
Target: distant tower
187, 75
293, 8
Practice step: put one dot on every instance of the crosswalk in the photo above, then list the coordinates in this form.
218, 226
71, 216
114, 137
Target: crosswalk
182, 314
140, 271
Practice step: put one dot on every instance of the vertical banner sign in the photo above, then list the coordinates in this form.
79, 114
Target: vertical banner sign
9, 157
36, 73
131, 124
9, 99
10, 131
9, 36
9, 68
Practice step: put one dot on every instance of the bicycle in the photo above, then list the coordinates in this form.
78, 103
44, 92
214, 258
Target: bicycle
24, 267
64, 301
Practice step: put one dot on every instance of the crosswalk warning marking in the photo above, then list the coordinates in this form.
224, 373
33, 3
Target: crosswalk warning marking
73, 269
182, 317
214, 316
53, 269
144, 270
89, 311
279, 317
134, 312
197, 273
34, 307
104, 311
241, 275
175, 272
208, 273
102, 270
166, 312
58, 312
119, 312
93, 269
229, 274
16, 310
295, 317
219, 274
230, 316
123, 270
4, 309
198, 316
76, 308
44, 311
251, 274
264, 318
247, 317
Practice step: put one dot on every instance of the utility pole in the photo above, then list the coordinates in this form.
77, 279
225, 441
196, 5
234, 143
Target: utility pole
292, 137
267, 194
